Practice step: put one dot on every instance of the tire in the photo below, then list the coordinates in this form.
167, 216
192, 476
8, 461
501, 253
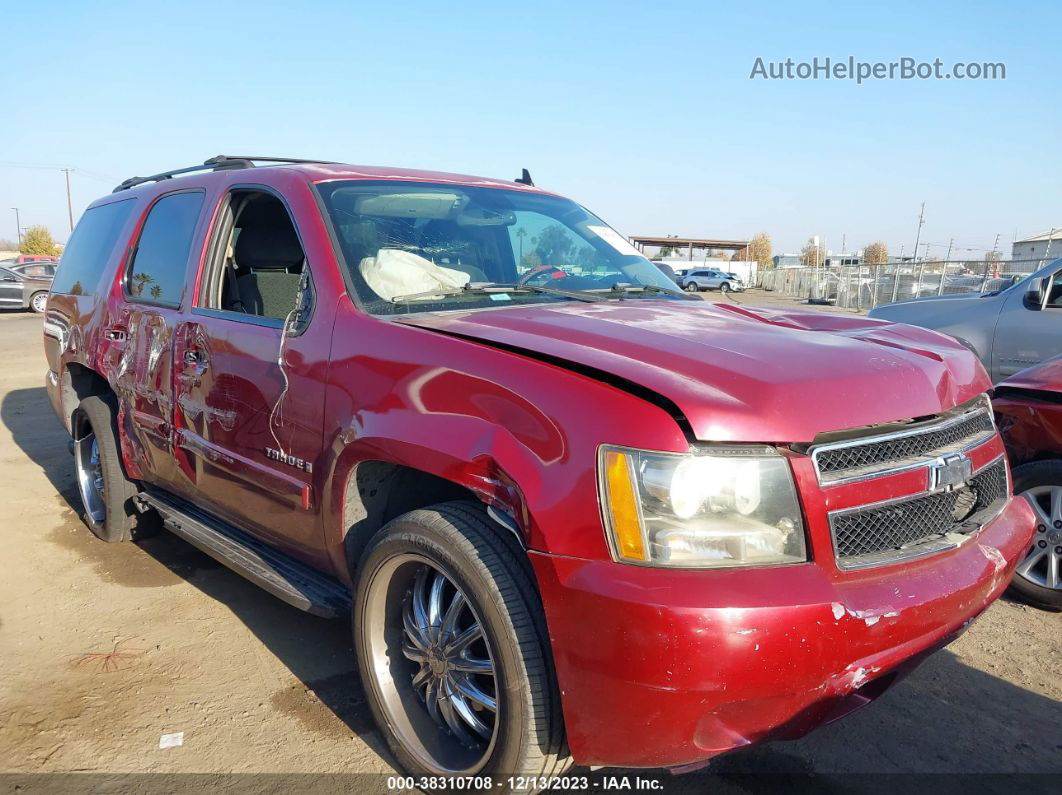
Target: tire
525, 733
1033, 580
106, 493
724, 287
691, 287
39, 302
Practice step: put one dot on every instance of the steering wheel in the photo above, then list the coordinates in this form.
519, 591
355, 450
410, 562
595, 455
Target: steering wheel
542, 275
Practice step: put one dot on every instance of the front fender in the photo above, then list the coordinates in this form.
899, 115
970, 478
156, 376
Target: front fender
519, 433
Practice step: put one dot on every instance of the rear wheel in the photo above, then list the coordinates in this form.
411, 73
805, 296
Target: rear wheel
39, 302
452, 649
1038, 577
106, 493
691, 287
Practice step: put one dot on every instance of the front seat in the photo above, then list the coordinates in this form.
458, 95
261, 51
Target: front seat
269, 262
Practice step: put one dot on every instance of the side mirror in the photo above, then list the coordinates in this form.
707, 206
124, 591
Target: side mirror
1034, 294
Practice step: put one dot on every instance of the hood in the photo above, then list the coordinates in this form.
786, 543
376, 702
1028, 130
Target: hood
1043, 377
737, 373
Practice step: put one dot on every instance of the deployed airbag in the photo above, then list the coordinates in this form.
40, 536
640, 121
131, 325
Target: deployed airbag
393, 272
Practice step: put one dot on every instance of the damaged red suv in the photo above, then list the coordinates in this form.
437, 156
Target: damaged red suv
576, 515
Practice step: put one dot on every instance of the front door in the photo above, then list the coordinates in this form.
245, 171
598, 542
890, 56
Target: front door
249, 381
1027, 335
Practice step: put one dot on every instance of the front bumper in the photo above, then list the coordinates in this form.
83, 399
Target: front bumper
665, 668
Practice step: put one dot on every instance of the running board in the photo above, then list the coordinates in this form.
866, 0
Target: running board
283, 576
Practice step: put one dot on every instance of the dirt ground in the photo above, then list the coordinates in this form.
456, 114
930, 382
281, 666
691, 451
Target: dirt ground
107, 647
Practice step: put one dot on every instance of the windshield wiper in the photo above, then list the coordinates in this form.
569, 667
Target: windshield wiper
488, 288
621, 289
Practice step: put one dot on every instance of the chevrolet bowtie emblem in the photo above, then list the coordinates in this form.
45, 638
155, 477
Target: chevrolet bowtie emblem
949, 471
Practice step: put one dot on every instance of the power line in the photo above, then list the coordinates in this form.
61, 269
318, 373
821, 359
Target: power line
43, 167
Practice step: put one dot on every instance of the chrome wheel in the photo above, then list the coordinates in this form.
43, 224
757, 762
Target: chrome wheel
39, 302
90, 477
432, 665
1043, 564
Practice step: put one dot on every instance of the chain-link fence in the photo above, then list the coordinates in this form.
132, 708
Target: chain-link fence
866, 286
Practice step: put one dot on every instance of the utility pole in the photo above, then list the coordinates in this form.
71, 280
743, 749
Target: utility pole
947, 258
918, 236
18, 227
69, 206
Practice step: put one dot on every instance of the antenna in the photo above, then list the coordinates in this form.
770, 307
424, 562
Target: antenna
525, 178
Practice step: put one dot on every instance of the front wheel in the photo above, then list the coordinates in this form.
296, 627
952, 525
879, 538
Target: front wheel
724, 287
1038, 578
452, 648
39, 302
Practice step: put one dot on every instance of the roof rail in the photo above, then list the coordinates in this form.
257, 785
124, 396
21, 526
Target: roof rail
219, 163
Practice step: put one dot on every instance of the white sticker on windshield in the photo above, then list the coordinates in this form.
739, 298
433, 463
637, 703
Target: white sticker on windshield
616, 240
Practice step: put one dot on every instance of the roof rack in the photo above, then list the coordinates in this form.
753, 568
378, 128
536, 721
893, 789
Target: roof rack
219, 163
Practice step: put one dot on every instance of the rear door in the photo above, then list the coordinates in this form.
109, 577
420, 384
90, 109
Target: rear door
140, 338
1025, 334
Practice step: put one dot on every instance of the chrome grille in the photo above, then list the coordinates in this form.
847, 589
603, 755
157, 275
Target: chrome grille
916, 525
871, 456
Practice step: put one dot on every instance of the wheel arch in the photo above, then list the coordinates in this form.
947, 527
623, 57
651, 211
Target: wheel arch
78, 382
377, 490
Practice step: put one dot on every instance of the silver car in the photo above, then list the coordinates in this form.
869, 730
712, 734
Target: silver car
1016, 327
697, 279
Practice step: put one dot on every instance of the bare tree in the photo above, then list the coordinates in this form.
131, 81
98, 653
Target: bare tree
876, 253
758, 250
812, 254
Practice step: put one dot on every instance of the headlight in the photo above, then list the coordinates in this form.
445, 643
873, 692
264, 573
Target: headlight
721, 506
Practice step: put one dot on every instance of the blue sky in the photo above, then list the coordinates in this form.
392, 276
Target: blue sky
648, 117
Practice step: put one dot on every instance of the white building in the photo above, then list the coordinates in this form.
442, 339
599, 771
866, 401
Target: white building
1047, 245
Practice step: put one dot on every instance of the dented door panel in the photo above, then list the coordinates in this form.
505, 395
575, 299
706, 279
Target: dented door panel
137, 356
244, 438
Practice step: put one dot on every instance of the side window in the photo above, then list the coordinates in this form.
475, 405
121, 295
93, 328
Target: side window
157, 270
1054, 296
256, 263
90, 247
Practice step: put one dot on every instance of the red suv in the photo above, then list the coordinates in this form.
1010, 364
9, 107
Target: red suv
576, 514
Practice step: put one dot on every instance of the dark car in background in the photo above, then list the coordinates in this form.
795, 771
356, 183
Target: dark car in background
22, 289
1028, 409
37, 269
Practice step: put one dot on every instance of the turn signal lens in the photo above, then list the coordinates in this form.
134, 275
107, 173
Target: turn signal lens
623, 507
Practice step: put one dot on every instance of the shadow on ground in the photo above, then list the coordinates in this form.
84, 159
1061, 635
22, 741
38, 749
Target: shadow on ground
945, 718
318, 652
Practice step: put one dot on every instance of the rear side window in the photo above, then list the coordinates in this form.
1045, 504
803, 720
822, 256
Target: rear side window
156, 274
90, 247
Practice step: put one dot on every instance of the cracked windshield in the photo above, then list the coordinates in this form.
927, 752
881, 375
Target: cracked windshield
413, 247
